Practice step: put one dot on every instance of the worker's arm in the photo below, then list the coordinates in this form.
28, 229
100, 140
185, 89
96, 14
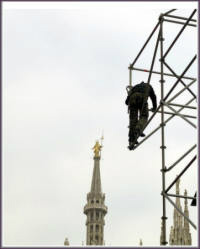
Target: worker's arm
128, 97
153, 98
127, 100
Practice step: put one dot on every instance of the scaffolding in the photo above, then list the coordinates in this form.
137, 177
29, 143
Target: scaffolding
165, 102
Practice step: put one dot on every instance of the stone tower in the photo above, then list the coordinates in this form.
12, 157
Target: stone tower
180, 232
66, 242
95, 208
187, 234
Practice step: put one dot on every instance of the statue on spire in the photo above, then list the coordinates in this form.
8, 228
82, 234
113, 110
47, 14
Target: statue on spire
97, 148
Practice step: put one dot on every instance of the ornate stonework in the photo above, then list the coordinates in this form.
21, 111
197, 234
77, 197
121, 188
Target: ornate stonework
66, 242
95, 208
180, 231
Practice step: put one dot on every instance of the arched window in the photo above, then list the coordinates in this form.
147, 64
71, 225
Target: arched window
97, 215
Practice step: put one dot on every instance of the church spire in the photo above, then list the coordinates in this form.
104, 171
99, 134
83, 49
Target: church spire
179, 233
95, 208
177, 216
187, 237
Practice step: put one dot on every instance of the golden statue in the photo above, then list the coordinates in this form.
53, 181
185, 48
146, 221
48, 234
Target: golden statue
97, 149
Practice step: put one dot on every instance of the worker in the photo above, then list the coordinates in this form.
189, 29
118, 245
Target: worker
137, 103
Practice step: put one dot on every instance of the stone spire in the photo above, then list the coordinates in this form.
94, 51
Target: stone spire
66, 242
179, 233
187, 234
95, 208
178, 220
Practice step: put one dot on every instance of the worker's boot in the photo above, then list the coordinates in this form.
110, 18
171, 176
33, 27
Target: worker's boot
131, 146
133, 141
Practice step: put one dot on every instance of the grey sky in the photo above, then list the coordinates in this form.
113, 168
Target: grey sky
64, 79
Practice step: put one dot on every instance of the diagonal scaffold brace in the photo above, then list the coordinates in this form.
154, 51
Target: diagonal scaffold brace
165, 101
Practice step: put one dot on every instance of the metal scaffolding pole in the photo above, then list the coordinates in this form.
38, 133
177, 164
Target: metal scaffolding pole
155, 72
164, 101
163, 147
164, 123
181, 158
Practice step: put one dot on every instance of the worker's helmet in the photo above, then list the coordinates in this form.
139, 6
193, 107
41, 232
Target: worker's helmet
129, 88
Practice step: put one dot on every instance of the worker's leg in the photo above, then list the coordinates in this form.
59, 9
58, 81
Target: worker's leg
144, 114
133, 120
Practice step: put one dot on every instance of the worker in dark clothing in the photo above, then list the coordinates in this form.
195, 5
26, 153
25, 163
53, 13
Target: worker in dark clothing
137, 102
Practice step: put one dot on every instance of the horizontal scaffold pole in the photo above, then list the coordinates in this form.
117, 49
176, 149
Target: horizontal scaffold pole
182, 196
170, 11
190, 107
180, 17
186, 87
168, 20
172, 113
166, 121
155, 72
178, 114
179, 77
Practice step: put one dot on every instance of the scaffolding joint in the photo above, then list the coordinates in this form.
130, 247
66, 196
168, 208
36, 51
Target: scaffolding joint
162, 124
163, 147
161, 17
165, 168
162, 81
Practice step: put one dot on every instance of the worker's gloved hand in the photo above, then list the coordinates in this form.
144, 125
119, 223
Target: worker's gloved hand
153, 109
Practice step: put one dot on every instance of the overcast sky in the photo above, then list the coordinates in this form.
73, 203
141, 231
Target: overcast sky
64, 83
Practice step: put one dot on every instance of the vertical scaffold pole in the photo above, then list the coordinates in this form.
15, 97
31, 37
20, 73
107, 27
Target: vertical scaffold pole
130, 75
163, 147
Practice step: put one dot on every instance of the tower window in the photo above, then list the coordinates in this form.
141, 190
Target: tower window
97, 228
97, 215
92, 201
97, 201
91, 228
